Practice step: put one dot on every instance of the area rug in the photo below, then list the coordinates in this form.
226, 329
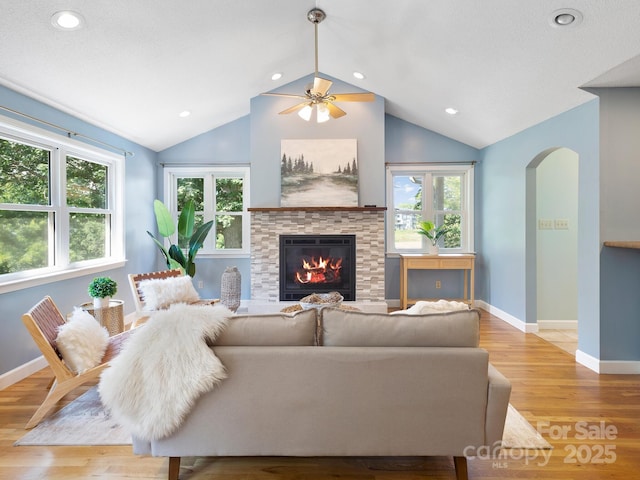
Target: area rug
518, 433
85, 422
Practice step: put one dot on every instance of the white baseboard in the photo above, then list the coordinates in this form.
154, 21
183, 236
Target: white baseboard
608, 367
558, 325
510, 319
22, 372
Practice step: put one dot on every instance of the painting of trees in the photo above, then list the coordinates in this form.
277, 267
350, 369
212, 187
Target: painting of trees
319, 172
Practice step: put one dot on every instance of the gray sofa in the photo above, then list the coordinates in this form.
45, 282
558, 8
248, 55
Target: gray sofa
345, 383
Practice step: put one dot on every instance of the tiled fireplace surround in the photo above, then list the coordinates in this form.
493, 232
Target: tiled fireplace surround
367, 224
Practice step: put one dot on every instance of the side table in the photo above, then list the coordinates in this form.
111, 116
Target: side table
451, 261
111, 317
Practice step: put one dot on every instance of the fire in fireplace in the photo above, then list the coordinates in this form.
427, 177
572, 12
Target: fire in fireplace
319, 271
317, 264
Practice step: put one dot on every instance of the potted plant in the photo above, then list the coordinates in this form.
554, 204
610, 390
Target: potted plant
433, 233
102, 289
174, 255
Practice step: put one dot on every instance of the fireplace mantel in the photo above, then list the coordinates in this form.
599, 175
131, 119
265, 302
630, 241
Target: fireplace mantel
317, 209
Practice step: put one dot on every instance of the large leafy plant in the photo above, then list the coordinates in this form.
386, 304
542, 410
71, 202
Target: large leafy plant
174, 255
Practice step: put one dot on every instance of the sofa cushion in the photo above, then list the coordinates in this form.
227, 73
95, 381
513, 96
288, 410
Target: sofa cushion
341, 328
277, 329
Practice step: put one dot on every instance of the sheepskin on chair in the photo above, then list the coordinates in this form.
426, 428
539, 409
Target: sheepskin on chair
163, 368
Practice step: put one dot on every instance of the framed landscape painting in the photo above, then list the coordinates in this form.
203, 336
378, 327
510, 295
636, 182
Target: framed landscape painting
319, 173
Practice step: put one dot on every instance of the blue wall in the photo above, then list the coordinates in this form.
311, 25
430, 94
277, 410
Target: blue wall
364, 122
501, 234
16, 345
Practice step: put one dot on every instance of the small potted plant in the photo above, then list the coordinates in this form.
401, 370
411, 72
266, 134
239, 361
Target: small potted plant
102, 289
433, 233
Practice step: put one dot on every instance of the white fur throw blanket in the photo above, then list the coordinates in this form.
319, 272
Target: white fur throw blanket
163, 368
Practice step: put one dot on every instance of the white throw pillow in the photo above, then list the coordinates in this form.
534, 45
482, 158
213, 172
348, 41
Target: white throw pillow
82, 341
160, 293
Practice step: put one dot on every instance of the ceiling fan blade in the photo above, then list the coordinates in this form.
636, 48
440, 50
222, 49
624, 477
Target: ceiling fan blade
295, 108
353, 97
321, 86
288, 95
335, 112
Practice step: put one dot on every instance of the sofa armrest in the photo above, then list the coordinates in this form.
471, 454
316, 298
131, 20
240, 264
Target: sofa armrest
498, 394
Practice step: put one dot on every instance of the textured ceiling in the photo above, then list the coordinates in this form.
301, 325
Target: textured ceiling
136, 64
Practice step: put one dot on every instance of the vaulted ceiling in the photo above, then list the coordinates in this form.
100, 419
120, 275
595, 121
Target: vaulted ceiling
135, 65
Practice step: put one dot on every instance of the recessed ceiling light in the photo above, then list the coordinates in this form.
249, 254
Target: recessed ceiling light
67, 20
358, 75
276, 76
565, 17
451, 111
184, 113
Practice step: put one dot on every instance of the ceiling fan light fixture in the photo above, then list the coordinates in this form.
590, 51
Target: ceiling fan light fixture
305, 112
316, 93
323, 113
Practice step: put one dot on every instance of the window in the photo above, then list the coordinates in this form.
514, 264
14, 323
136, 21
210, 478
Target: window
442, 194
220, 194
59, 211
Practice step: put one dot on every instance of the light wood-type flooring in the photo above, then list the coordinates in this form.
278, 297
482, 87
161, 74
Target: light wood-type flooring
567, 340
577, 408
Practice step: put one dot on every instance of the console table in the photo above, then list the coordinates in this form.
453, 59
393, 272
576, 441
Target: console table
464, 262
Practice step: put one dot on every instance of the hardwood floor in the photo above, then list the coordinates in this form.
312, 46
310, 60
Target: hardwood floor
548, 387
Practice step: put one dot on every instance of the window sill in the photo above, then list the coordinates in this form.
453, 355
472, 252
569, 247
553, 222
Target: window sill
20, 284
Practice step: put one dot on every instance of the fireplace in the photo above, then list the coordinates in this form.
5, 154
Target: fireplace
317, 264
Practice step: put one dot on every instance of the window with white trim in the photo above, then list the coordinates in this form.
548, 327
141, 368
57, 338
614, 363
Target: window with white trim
442, 194
60, 206
220, 194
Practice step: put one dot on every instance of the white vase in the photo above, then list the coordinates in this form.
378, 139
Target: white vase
434, 249
101, 302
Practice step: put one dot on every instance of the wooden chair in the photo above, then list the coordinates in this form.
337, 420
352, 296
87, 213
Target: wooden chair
42, 322
136, 278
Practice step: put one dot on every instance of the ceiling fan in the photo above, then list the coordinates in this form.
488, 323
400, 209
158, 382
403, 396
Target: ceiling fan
317, 93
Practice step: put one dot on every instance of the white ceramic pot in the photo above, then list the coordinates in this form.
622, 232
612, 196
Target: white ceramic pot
434, 249
101, 302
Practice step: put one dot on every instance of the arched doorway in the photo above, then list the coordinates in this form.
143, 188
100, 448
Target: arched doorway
552, 241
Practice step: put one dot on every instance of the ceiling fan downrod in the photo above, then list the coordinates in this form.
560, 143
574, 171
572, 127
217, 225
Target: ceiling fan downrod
315, 16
